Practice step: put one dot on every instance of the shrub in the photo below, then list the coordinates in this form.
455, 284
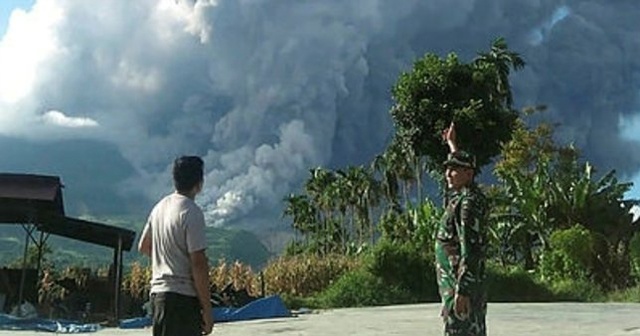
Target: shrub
569, 255
514, 284
631, 294
361, 288
294, 302
406, 267
517, 285
578, 289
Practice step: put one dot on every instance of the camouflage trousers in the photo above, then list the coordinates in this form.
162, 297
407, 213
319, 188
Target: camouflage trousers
473, 325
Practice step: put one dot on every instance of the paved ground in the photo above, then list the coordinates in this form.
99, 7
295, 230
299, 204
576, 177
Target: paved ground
554, 319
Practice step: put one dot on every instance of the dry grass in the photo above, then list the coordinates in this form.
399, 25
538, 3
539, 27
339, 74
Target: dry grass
304, 275
298, 275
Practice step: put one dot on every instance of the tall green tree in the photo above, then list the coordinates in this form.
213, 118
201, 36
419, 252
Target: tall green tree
342, 203
383, 167
303, 215
402, 158
501, 60
475, 95
364, 194
320, 189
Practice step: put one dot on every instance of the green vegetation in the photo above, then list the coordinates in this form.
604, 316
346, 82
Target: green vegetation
234, 245
558, 229
361, 288
475, 95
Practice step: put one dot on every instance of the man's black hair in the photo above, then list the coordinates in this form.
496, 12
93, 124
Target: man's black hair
187, 172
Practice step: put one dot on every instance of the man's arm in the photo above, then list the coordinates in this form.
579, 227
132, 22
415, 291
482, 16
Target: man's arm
200, 273
449, 136
144, 246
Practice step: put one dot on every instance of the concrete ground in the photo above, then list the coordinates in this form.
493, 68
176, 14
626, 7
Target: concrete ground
523, 319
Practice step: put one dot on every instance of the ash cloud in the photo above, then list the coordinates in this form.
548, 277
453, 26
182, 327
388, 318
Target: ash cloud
265, 90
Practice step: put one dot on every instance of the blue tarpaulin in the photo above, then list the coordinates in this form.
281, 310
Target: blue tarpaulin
9, 322
268, 307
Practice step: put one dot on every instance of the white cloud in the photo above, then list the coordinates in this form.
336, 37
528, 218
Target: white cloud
30, 40
136, 77
58, 118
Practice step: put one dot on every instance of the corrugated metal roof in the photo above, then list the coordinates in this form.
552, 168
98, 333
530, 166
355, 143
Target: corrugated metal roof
28, 198
37, 199
29, 187
90, 232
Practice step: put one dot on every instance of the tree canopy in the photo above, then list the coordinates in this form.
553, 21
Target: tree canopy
475, 95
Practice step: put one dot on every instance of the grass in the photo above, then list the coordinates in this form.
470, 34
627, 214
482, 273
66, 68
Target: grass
361, 288
629, 295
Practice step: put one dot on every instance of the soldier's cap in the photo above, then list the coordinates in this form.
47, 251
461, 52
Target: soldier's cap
460, 159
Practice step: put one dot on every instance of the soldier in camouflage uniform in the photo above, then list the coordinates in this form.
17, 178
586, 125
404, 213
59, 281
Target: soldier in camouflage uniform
460, 248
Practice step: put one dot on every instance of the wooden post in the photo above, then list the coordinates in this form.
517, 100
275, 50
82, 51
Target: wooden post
40, 245
117, 264
24, 270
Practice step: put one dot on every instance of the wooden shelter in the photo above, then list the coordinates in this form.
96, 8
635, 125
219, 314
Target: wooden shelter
35, 202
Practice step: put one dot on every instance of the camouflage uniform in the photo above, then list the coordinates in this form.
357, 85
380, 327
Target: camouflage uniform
460, 260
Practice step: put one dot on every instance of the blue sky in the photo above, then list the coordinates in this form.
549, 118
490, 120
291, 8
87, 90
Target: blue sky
6, 7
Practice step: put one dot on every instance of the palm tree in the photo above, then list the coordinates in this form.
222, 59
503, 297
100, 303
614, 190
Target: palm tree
303, 214
401, 158
363, 195
383, 166
318, 187
369, 198
503, 61
342, 195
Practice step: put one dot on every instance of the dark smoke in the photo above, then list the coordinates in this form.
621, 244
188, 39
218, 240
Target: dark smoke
266, 90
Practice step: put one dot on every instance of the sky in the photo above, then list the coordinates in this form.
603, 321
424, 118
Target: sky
107, 93
7, 6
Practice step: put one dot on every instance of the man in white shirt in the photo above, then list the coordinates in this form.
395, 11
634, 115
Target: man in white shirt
174, 238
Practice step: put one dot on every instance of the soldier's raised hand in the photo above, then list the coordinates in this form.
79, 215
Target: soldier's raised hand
449, 136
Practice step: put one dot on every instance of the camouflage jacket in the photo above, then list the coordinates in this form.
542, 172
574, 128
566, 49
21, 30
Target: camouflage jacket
461, 243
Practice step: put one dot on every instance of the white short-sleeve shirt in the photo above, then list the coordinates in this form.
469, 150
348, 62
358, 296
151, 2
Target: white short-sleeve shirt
176, 227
